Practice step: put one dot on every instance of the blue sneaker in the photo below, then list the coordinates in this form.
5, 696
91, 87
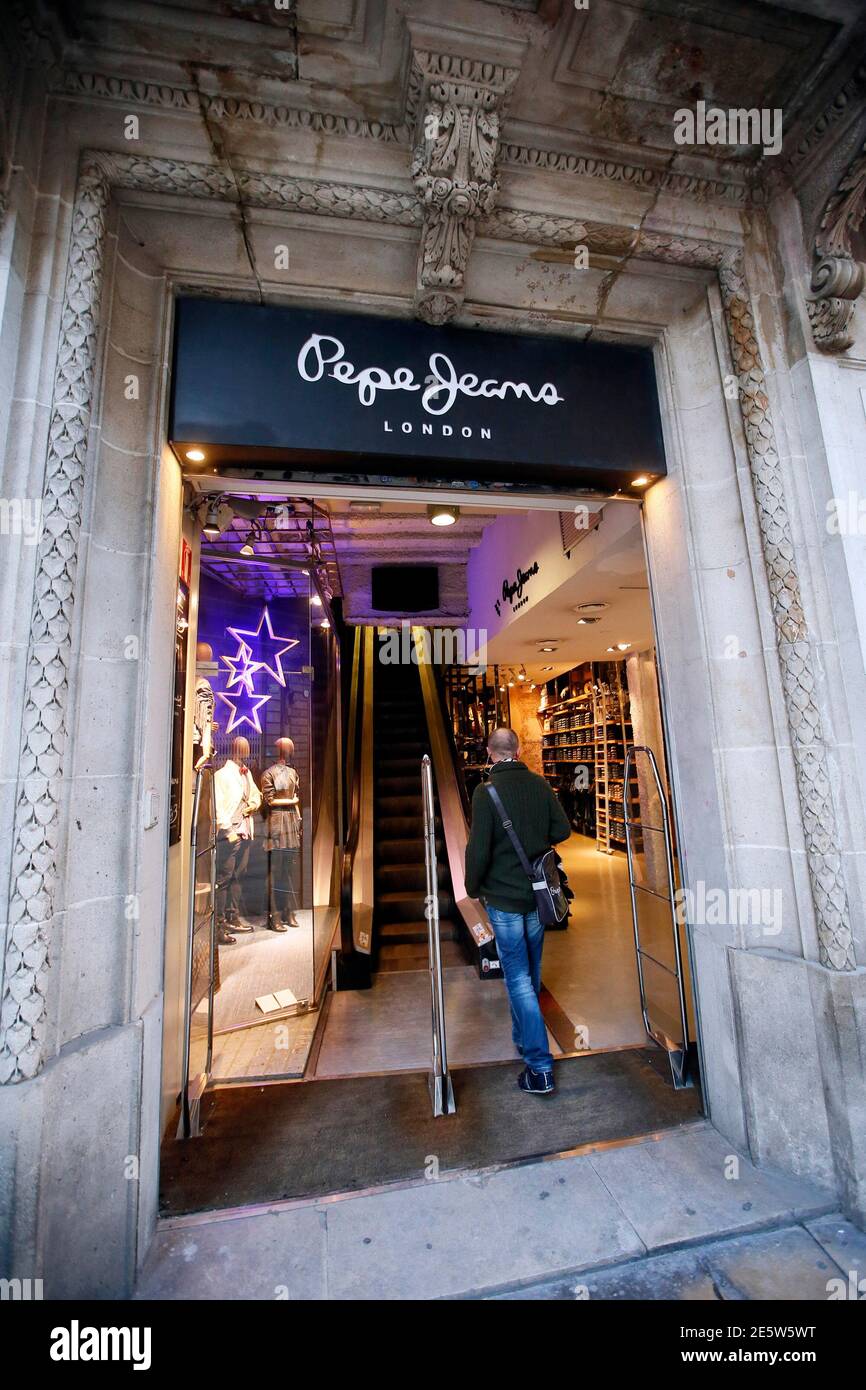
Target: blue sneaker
537, 1083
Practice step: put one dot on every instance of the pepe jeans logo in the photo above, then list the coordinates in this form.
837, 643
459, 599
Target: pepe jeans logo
323, 355
512, 590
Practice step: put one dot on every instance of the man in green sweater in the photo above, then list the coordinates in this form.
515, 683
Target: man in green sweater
494, 874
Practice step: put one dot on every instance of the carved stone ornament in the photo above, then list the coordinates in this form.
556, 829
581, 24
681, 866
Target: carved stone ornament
457, 104
37, 832
837, 278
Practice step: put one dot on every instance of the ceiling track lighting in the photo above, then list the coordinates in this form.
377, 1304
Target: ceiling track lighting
442, 515
249, 547
211, 527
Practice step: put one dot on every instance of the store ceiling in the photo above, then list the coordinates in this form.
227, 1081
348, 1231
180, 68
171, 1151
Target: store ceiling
614, 573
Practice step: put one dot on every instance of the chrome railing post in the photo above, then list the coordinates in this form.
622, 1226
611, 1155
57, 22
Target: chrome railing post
441, 1089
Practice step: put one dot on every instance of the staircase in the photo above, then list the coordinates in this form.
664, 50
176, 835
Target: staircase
400, 741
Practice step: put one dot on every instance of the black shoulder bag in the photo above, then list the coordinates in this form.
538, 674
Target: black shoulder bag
551, 903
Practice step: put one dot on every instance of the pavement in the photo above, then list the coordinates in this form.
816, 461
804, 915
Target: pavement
680, 1215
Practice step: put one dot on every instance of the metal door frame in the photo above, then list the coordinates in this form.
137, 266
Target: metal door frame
190, 1104
678, 1057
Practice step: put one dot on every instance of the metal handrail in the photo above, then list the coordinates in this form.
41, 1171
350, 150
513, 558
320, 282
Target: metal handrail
357, 883
455, 827
441, 1089
186, 1125
678, 1057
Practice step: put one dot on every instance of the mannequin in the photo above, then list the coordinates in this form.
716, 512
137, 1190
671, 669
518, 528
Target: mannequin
203, 725
283, 843
237, 798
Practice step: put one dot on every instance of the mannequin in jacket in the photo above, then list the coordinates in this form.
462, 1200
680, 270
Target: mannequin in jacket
281, 797
237, 799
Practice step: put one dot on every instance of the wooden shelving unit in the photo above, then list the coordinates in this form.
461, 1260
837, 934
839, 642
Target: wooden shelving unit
593, 729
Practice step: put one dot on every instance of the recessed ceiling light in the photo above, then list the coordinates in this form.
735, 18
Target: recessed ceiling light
591, 607
640, 481
441, 515
195, 455
585, 622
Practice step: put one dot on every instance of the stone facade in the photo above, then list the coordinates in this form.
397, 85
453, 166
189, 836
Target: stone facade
436, 180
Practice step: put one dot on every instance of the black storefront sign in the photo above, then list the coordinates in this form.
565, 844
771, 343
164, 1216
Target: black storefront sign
256, 384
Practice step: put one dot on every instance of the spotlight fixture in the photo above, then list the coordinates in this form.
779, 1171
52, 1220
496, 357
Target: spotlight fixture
441, 515
620, 647
315, 600
511, 683
640, 481
212, 528
502, 687
521, 674
195, 455
248, 547
324, 623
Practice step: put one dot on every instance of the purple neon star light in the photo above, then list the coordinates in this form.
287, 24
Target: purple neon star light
242, 678
244, 706
259, 642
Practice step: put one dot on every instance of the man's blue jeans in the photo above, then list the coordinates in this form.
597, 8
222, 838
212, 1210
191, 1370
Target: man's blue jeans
519, 940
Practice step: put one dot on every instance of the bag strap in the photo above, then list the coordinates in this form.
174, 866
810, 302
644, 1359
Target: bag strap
508, 827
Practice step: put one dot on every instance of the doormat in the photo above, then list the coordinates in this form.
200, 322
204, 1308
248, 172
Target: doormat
268, 1143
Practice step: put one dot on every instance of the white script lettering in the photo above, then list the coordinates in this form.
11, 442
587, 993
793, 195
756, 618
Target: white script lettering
441, 387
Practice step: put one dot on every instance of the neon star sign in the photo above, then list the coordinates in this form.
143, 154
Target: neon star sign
244, 706
241, 668
260, 641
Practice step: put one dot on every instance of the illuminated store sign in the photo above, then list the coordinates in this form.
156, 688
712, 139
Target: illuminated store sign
256, 385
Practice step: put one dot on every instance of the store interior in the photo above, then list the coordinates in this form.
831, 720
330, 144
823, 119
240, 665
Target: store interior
538, 618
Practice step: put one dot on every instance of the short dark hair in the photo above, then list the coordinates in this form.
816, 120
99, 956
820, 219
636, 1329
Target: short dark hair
504, 741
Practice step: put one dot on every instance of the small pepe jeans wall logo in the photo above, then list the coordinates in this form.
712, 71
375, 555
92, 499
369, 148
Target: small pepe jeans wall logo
513, 589
712, 125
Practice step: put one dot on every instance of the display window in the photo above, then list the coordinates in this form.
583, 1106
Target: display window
264, 719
